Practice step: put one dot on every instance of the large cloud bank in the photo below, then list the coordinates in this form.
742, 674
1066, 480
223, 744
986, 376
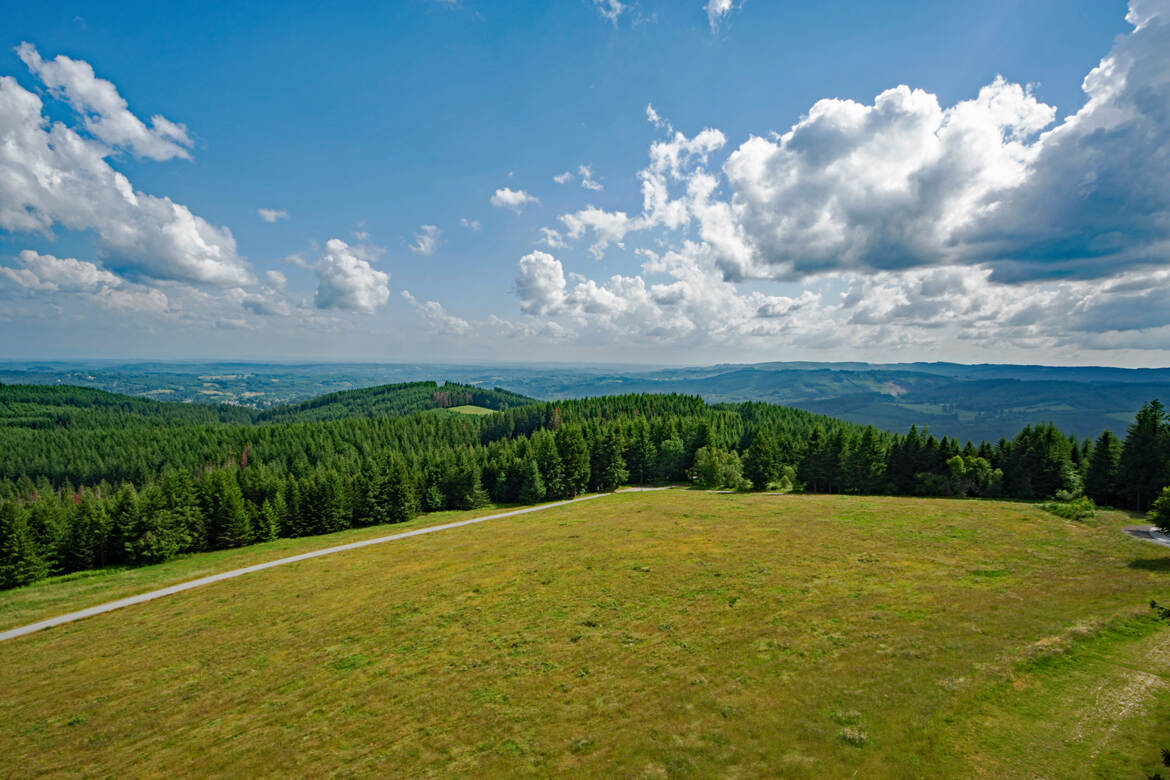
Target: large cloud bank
903, 221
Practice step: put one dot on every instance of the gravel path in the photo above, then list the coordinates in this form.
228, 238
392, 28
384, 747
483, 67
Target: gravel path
12, 633
1148, 533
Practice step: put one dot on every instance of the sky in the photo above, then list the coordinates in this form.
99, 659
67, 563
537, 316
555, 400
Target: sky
587, 180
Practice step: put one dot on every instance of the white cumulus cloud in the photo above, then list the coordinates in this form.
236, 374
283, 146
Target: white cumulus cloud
507, 198
104, 111
541, 283
272, 215
346, 280
46, 272
51, 175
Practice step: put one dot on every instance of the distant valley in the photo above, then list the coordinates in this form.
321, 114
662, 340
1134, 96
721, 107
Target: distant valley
966, 401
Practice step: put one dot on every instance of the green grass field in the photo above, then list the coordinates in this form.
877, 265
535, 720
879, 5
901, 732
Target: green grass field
660, 634
471, 409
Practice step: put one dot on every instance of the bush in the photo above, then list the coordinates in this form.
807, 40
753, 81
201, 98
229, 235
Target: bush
718, 468
1078, 509
1160, 511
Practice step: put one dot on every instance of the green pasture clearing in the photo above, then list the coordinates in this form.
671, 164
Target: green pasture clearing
471, 409
659, 634
71, 592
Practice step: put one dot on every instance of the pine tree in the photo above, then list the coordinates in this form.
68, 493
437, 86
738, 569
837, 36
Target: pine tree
671, 462
21, 562
463, 488
760, 464
642, 454
815, 469
85, 544
866, 464
223, 506
552, 471
394, 498
532, 488
124, 519
1103, 478
607, 464
1145, 456
574, 458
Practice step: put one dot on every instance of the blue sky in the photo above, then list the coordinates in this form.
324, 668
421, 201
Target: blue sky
467, 180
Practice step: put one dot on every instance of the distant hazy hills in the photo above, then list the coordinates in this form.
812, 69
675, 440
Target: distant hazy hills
967, 401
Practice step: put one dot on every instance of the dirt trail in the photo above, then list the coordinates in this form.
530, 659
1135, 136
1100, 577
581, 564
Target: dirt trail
227, 575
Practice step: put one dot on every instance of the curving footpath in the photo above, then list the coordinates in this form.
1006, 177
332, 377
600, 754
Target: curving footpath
1148, 533
12, 633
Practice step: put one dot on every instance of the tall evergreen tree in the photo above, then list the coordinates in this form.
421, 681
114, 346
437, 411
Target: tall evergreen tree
1103, 478
223, 506
574, 458
85, 545
607, 466
760, 464
1145, 456
21, 561
532, 488
866, 464
672, 459
642, 455
394, 498
548, 459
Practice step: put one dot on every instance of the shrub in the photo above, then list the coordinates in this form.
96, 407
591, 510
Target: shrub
851, 735
1078, 509
1160, 511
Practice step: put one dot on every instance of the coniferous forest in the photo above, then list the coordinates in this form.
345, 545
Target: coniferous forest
90, 479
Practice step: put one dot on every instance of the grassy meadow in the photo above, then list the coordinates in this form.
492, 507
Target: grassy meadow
478, 411
643, 634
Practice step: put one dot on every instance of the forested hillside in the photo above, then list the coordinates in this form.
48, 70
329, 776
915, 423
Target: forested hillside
965, 401
86, 495
394, 401
64, 406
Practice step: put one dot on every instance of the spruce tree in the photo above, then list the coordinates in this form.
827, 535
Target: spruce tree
21, 562
1103, 478
223, 506
760, 464
549, 460
574, 458
607, 464
394, 497
532, 490
642, 454
1145, 456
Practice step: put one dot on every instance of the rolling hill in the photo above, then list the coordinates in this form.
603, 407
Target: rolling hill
667, 634
965, 401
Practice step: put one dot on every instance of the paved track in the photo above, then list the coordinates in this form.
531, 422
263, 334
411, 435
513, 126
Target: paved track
12, 633
1148, 533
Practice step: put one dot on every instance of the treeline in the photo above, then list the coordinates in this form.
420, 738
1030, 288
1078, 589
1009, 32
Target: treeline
46, 407
394, 401
43, 407
77, 499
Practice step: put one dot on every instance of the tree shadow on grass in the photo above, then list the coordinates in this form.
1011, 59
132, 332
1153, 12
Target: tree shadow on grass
1151, 564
